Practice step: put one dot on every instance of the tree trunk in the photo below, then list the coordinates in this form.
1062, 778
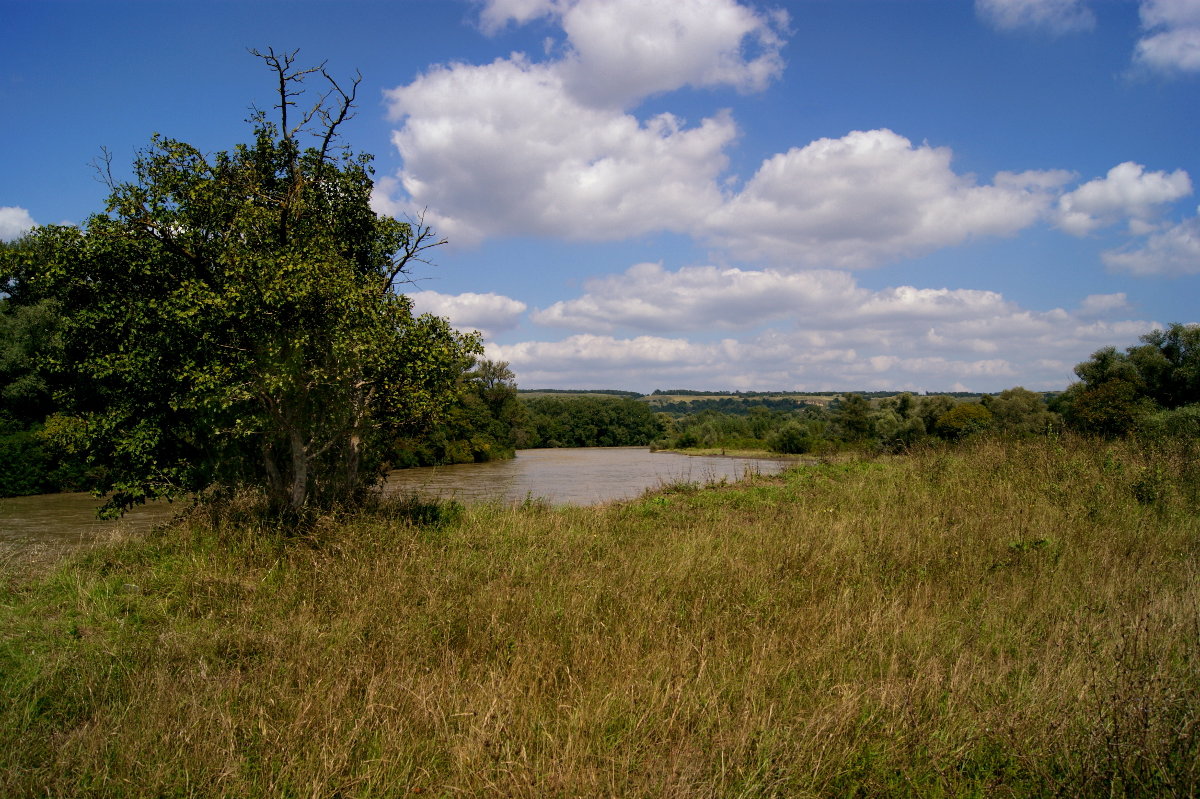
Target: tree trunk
299, 493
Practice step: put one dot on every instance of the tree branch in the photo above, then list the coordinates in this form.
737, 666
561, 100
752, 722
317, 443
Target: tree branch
422, 239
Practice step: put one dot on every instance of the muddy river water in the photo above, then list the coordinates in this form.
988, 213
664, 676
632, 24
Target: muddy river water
559, 476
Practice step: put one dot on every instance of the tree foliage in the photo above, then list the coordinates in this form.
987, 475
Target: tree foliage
232, 318
1118, 391
589, 422
486, 422
963, 420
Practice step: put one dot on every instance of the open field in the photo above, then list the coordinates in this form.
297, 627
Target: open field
991, 620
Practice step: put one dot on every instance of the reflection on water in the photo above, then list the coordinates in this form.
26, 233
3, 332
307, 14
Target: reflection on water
572, 476
50, 523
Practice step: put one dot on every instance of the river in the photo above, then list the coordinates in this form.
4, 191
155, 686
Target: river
585, 476
44, 524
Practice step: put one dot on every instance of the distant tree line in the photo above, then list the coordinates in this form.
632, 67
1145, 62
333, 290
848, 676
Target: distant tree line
1149, 390
736, 406
581, 391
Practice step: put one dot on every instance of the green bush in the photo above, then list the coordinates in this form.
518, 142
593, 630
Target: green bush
24, 465
963, 420
791, 439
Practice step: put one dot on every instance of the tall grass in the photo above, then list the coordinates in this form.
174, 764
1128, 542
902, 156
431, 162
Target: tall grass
992, 620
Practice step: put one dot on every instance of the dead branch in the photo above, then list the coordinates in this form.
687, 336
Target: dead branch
421, 239
343, 108
281, 65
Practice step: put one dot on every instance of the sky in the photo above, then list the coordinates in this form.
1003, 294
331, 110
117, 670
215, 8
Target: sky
816, 195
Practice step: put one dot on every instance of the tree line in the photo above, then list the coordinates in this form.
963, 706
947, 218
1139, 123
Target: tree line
1151, 390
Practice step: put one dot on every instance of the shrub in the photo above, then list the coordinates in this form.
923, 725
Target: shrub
963, 420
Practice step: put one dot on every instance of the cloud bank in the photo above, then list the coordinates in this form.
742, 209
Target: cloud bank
650, 327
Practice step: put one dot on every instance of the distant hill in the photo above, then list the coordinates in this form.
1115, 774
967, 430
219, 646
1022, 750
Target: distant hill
578, 392
685, 401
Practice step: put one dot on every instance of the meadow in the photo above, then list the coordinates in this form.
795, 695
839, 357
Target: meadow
992, 619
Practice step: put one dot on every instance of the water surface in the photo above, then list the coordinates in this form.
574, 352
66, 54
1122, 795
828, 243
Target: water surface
583, 476
48, 523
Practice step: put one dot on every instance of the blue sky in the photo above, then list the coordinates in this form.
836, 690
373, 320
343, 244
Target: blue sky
814, 195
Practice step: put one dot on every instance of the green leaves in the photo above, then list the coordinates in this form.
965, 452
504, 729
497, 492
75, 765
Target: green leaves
231, 321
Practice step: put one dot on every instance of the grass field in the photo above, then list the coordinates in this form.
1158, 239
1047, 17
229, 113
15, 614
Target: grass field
993, 620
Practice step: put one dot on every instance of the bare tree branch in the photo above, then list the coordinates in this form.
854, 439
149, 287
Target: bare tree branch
421, 239
343, 108
102, 164
281, 64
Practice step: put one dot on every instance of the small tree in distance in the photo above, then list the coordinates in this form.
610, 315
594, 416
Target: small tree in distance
232, 319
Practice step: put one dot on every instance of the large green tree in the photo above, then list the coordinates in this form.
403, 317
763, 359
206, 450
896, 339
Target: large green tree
232, 319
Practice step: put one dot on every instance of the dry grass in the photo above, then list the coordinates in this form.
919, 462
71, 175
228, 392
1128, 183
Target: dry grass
996, 620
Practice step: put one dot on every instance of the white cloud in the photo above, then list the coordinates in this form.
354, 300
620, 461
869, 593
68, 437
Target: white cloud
812, 330
498, 13
1055, 16
695, 298
867, 198
624, 50
620, 51
1096, 304
505, 149
1172, 35
14, 222
488, 313
853, 360
1128, 191
1172, 251
646, 297
517, 147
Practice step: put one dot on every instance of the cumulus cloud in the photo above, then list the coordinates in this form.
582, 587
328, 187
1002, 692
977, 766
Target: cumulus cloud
1055, 16
518, 147
14, 222
620, 51
814, 330
1126, 192
867, 198
506, 149
1037, 352
649, 298
549, 148
555, 148
1171, 36
623, 50
488, 313
1170, 252
495, 14
1096, 304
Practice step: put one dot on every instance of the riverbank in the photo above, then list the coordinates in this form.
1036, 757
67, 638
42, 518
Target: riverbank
989, 620
727, 452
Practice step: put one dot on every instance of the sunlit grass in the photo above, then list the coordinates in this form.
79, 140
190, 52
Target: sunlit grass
998, 619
